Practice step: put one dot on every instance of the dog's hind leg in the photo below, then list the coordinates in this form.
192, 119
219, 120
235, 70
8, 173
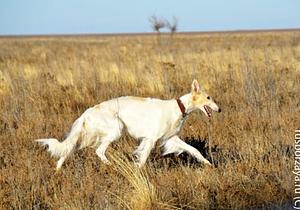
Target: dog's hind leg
105, 142
111, 131
176, 145
60, 162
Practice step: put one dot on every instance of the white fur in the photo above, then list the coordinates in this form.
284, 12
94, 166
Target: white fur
145, 119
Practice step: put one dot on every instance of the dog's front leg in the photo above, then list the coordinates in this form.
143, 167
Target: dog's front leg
176, 145
143, 151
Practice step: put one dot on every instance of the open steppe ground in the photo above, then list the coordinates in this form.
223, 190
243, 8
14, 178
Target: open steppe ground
47, 82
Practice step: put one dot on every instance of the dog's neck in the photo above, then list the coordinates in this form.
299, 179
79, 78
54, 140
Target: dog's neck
186, 100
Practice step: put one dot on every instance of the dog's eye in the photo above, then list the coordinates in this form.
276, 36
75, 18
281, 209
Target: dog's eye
208, 97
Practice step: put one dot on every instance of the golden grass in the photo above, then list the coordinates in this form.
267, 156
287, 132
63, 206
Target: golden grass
47, 82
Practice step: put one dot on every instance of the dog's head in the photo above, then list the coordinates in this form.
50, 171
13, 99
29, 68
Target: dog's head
201, 100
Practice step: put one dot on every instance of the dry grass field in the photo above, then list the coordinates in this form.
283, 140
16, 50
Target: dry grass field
47, 82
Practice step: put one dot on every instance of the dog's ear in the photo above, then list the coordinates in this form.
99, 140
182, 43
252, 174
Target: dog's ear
195, 86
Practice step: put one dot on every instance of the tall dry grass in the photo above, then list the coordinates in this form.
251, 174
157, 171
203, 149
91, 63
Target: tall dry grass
47, 82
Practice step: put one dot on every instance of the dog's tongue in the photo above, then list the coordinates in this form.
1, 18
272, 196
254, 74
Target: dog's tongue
209, 114
207, 111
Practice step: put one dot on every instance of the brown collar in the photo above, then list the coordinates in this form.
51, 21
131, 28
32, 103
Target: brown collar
181, 106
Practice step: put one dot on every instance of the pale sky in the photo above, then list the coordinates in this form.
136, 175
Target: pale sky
121, 16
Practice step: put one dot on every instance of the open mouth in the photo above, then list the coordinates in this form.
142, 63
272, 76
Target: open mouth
208, 110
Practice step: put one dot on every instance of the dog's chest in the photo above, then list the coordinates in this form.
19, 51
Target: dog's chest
179, 124
175, 127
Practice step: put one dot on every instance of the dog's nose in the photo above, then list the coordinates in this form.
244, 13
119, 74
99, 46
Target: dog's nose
219, 110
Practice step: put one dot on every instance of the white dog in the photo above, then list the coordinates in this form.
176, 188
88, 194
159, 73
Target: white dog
146, 119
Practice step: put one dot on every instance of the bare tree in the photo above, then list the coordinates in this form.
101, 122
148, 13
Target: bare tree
172, 26
157, 23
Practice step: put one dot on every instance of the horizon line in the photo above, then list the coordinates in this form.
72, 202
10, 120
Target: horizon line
152, 33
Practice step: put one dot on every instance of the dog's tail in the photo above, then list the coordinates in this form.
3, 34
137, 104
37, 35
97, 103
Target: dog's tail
60, 149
